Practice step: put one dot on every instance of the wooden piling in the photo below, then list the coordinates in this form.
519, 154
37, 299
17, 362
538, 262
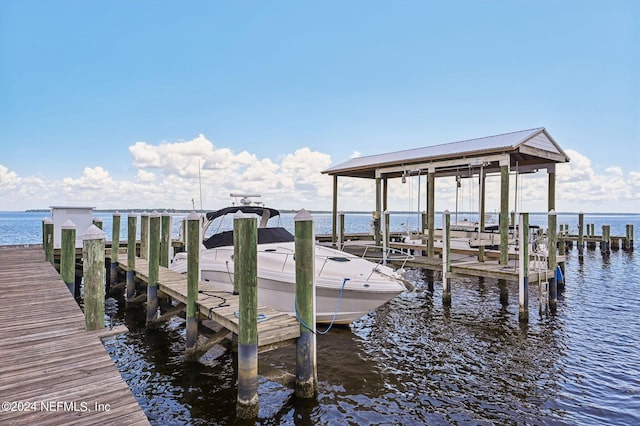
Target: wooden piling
446, 258
94, 277
334, 212
340, 230
424, 223
144, 235
431, 209
562, 251
115, 247
48, 239
376, 217
97, 222
385, 235
482, 210
245, 236
552, 259
580, 235
523, 268
504, 214
165, 240
68, 255
630, 237
306, 373
193, 276
154, 255
132, 220
625, 240
605, 242
44, 233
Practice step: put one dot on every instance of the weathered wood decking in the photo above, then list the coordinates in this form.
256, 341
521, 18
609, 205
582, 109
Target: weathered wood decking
52, 371
275, 328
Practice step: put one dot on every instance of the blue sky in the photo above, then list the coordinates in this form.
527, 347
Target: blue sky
264, 95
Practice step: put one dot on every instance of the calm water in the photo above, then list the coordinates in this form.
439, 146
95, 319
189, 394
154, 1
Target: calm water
414, 361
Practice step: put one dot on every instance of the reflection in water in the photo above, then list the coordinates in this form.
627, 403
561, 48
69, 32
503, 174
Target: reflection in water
414, 361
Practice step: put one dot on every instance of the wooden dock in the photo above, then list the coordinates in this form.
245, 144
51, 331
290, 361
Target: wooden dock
275, 328
52, 371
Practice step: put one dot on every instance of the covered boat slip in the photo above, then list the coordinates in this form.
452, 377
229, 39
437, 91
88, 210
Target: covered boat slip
526, 151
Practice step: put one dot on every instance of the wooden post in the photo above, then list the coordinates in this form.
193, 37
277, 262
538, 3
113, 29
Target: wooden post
605, 242
482, 197
580, 235
44, 233
334, 211
245, 240
115, 247
97, 222
165, 241
378, 212
68, 256
132, 220
562, 251
431, 211
385, 236
306, 373
523, 268
48, 240
341, 230
385, 193
94, 277
144, 235
154, 255
552, 259
193, 276
504, 213
446, 258
551, 188
631, 236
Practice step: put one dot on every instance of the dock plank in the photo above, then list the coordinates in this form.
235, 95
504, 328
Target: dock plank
47, 357
223, 307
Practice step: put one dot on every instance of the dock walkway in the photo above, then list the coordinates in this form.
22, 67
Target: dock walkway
275, 328
52, 371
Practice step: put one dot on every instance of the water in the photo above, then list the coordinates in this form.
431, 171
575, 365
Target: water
414, 361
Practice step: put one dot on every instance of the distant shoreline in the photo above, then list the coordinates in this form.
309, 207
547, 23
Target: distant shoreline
315, 211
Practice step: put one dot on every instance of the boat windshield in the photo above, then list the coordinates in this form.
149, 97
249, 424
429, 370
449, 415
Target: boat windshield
221, 222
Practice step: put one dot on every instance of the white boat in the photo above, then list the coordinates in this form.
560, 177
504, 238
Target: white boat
347, 286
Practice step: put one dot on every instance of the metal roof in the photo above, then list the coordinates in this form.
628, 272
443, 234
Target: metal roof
526, 148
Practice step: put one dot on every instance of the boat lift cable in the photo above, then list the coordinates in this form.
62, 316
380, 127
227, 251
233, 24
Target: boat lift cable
326, 330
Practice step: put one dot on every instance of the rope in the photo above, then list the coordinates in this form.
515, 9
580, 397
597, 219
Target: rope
326, 330
261, 316
208, 294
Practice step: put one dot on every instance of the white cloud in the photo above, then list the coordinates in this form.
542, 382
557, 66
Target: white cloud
167, 176
145, 176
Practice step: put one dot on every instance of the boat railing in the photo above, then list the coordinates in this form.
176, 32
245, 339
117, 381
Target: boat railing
386, 255
289, 254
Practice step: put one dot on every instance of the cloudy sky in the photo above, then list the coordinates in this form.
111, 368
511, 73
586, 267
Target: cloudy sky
139, 104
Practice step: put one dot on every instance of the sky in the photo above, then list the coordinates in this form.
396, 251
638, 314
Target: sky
152, 104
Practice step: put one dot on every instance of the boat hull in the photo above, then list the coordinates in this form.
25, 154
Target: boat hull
347, 287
